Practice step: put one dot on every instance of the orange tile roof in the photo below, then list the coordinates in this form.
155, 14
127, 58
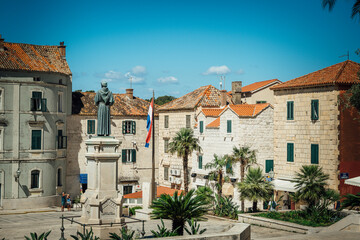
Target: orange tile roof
212, 112
28, 57
256, 85
205, 96
344, 73
159, 191
83, 104
214, 124
248, 110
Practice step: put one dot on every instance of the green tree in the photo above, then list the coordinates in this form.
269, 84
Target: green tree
310, 184
245, 156
331, 3
179, 208
254, 187
351, 201
184, 143
162, 99
219, 163
206, 193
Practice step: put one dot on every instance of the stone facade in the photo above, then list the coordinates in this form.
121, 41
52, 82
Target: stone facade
259, 92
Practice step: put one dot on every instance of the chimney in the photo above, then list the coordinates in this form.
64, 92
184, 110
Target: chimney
129, 93
223, 97
62, 50
236, 92
1, 44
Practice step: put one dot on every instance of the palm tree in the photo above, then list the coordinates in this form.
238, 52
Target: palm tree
331, 4
254, 187
219, 163
184, 144
351, 201
206, 193
245, 156
310, 184
179, 208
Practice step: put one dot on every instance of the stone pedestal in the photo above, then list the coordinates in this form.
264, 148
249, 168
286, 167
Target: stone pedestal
102, 200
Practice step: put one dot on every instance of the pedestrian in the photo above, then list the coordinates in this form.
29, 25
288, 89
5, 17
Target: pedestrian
63, 201
68, 202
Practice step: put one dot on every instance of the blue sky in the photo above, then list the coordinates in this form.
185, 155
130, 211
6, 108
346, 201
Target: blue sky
175, 47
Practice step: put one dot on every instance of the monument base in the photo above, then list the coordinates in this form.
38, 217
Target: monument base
143, 214
103, 232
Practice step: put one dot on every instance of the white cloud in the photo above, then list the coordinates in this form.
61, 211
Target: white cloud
134, 79
217, 70
138, 70
169, 79
113, 75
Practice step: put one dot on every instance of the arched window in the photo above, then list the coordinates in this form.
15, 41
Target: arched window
35, 179
59, 178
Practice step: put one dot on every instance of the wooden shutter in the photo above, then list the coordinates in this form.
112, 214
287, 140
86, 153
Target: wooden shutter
290, 110
43, 105
133, 159
36, 139
133, 127
200, 162
314, 109
201, 126
269, 165
123, 157
123, 127
290, 152
314, 154
229, 126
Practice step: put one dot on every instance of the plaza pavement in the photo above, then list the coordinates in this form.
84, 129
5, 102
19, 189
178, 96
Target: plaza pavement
16, 224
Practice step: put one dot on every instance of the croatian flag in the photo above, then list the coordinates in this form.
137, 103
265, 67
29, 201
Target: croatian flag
149, 123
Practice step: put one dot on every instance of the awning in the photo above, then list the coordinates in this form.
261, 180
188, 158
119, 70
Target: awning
353, 181
283, 185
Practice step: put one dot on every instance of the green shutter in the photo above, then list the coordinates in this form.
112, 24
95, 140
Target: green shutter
123, 127
201, 126
91, 127
228, 167
133, 127
200, 162
36, 139
133, 155
269, 165
43, 105
314, 154
290, 152
290, 110
314, 109
229, 126
123, 157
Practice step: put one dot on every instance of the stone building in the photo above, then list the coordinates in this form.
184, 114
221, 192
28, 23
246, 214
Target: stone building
181, 113
128, 124
312, 126
35, 99
221, 129
259, 92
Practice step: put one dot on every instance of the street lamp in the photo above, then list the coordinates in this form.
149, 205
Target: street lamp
271, 174
17, 174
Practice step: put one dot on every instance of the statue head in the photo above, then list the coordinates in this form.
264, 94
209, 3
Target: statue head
103, 83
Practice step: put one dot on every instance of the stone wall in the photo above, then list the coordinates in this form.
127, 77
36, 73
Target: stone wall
303, 132
262, 95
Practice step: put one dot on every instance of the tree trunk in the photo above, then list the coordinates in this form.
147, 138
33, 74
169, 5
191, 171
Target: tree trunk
185, 170
254, 206
220, 183
242, 174
178, 224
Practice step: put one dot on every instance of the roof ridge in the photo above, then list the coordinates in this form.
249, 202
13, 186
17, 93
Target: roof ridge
203, 94
340, 71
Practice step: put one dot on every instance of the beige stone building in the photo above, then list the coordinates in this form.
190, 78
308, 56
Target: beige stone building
310, 126
128, 124
259, 92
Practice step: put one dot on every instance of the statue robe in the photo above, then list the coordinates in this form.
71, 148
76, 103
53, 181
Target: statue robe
104, 99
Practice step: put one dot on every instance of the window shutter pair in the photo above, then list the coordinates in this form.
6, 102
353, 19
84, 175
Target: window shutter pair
290, 152
91, 127
36, 139
290, 110
269, 165
314, 109
200, 162
124, 155
314, 154
132, 126
229, 126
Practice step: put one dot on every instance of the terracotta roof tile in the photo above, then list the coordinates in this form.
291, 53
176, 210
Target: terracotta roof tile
206, 96
340, 73
28, 57
248, 110
159, 191
257, 85
83, 104
212, 112
214, 124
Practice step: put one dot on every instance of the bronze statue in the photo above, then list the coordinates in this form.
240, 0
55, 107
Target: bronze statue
104, 99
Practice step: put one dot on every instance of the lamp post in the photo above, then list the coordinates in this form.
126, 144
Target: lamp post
271, 174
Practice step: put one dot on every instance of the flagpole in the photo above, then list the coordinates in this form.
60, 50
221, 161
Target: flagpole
153, 186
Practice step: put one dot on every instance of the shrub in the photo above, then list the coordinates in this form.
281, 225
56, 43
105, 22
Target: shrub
126, 234
34, 236
132, 210
225, 207
163, 231
87, 236
194, 227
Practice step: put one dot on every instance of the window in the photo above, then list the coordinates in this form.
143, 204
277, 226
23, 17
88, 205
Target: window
257, 102
36, 79
60, 102
127, 189
61, 140
166, 173
290, 152
314, 153
91, 126
128, 127
200, 161
37, 102
201, 126
128, 155
290, 110
314, 109
269, 165
228, 129
36, 139
60, 81
166, 145
59, 177
166, 121
188, 121
35, 179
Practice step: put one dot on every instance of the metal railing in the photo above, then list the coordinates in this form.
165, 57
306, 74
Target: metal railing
84, 225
